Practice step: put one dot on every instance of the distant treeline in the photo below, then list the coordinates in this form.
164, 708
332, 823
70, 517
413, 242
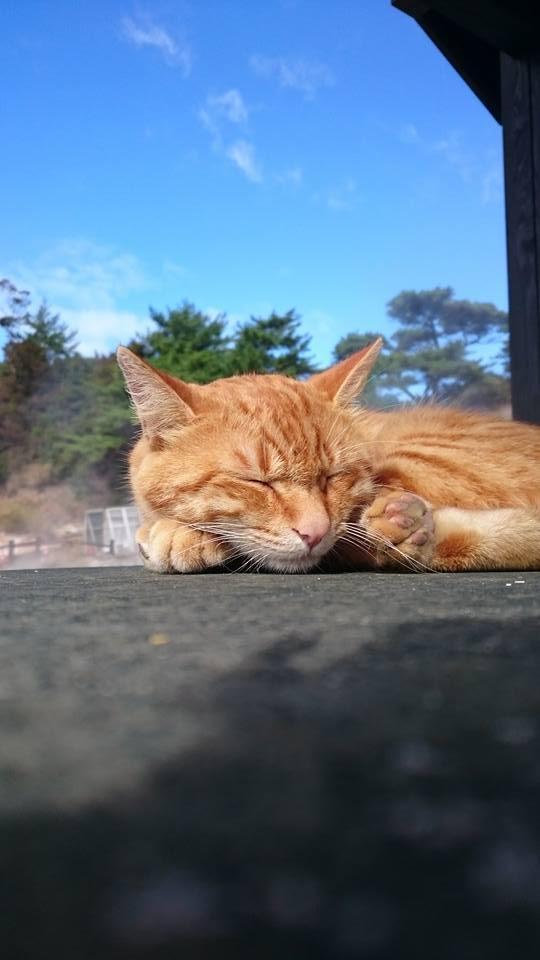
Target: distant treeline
70, 414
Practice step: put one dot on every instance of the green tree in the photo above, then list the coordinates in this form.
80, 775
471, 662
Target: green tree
272, 344
187, 343
375, 392
50, 334
42, 328
351, 343
35, 342
433, 356
81, 423
14, 306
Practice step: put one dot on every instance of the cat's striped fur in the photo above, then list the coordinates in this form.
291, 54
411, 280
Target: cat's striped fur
276, 474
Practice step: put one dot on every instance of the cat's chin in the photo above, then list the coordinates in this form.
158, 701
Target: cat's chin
291, 564
296, 562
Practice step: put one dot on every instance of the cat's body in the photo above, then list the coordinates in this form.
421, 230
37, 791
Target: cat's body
292, 476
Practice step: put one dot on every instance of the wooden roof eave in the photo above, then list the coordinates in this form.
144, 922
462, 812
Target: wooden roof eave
471, 36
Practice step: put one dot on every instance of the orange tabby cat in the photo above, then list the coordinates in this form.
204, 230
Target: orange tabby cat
290, 476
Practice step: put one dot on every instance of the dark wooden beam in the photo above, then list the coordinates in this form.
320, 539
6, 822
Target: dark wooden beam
495, 46
520, 89
472, 33
474, 59
511, 26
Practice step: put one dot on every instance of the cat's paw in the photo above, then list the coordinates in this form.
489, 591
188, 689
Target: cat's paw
403, 523
168, 547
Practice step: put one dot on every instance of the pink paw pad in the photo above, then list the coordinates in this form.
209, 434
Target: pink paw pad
409, 511
401, 520
406, 510
419, 538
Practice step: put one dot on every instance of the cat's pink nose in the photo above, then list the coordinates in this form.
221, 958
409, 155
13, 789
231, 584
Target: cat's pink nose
313, 531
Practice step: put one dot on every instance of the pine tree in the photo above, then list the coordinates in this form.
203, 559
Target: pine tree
187, 343
35, 343
272, 344
434, 348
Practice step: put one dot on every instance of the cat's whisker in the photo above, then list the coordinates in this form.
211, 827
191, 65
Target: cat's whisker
379, 539
361, 534
336, 441
363, 446
180, 523
365, 538
418, 565
365, 545
355, 535
356, 541
217, 530
228, 533
261, 561
247, 565
390, 405
240, 554
330, 435
235, 556
203, 527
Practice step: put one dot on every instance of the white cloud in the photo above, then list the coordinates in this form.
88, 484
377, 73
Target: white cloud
85, 283
242, 154
145, 33
220, 113
81, 273
220, 110
177, 269
229, 105
295, 74
408, 133
480, 168
492, 184
341, 197
452, 149
293, 176
100, 331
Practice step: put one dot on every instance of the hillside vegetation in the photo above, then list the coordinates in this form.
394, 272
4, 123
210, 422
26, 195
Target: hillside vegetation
65, 422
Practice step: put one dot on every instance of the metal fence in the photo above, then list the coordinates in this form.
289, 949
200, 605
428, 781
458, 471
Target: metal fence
109, 531
113, 524
41, 548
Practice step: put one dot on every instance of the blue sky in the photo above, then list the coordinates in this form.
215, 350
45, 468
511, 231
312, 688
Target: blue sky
246, 155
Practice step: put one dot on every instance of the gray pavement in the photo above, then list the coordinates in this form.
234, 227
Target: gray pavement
269, 766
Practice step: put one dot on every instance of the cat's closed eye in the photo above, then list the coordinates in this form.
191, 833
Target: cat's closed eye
335, 475
326, 478
261, 483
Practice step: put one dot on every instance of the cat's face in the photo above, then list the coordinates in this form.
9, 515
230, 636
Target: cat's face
269, 465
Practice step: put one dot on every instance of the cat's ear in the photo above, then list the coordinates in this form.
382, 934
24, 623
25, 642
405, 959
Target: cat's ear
345, 380
162, 403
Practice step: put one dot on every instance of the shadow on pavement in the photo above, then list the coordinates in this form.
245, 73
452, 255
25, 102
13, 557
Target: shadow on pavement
382, 805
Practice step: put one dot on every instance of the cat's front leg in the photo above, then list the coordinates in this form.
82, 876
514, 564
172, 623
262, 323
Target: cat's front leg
401, 531
504, 538
167, 546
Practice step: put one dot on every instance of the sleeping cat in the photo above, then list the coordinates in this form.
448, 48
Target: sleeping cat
266, 472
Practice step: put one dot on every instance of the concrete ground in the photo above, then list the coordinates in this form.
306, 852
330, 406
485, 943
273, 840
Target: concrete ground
261, 766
